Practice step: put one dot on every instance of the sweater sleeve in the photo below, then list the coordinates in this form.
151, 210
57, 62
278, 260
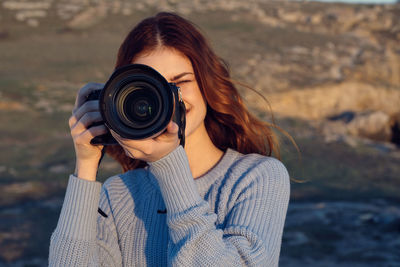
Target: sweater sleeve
83, 237
252, 232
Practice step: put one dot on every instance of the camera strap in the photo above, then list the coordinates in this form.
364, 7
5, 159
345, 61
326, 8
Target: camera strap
182, 126
182, 118
103, 152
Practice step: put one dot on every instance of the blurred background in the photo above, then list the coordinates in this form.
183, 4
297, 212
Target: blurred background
330, 71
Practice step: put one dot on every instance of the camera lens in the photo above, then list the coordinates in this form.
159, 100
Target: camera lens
137, 102
138, 105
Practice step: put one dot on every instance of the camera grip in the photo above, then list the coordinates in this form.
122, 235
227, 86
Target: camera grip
104, 139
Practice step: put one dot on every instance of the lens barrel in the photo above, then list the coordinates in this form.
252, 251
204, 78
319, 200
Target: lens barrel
137, 102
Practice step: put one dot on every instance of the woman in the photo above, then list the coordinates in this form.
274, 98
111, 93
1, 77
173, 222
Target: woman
219, 201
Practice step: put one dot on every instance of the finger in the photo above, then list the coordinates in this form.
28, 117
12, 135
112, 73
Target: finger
85, 91
96, 131
86, 136
135, 148
172, 127
87, 120
128, 143
170, 133
88, 106
133, 153
72, 121
115, 135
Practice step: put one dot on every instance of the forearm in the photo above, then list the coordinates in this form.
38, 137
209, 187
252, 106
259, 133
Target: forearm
75, 235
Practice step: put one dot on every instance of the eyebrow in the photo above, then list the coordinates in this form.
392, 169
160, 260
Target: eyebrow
180, 76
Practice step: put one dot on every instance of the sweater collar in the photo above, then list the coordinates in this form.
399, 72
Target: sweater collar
204, 181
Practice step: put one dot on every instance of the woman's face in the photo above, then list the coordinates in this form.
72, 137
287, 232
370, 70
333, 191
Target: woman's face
177, 68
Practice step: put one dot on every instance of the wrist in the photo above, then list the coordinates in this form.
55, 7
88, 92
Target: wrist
86, 170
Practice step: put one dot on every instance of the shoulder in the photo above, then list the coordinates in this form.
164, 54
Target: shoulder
256, 164
255, 170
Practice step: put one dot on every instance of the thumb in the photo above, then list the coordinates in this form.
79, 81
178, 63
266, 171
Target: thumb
171, 132
172, 127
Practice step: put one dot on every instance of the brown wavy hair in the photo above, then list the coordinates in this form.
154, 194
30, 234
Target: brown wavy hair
228, 122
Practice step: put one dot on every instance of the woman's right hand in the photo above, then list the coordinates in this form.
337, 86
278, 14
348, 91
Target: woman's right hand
84, 114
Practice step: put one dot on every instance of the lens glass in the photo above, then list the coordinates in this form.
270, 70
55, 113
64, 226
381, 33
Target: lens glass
138, 106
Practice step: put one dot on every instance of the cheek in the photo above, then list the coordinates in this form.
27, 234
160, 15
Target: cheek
203, 107
193, 97
202, 103
197, 110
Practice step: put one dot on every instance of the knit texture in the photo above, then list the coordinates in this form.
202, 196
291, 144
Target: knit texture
231, 216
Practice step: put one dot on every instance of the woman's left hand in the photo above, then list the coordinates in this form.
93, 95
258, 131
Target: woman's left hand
151, 149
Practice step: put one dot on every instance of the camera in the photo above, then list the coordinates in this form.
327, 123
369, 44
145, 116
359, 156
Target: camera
137, 102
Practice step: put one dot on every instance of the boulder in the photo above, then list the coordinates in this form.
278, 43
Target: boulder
373, 125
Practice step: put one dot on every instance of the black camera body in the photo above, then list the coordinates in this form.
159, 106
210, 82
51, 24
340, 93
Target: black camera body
137, 102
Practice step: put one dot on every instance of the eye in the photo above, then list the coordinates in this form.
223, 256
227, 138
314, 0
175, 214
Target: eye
182, 82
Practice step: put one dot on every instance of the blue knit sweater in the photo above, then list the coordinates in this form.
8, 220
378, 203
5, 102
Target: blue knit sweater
160, 216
